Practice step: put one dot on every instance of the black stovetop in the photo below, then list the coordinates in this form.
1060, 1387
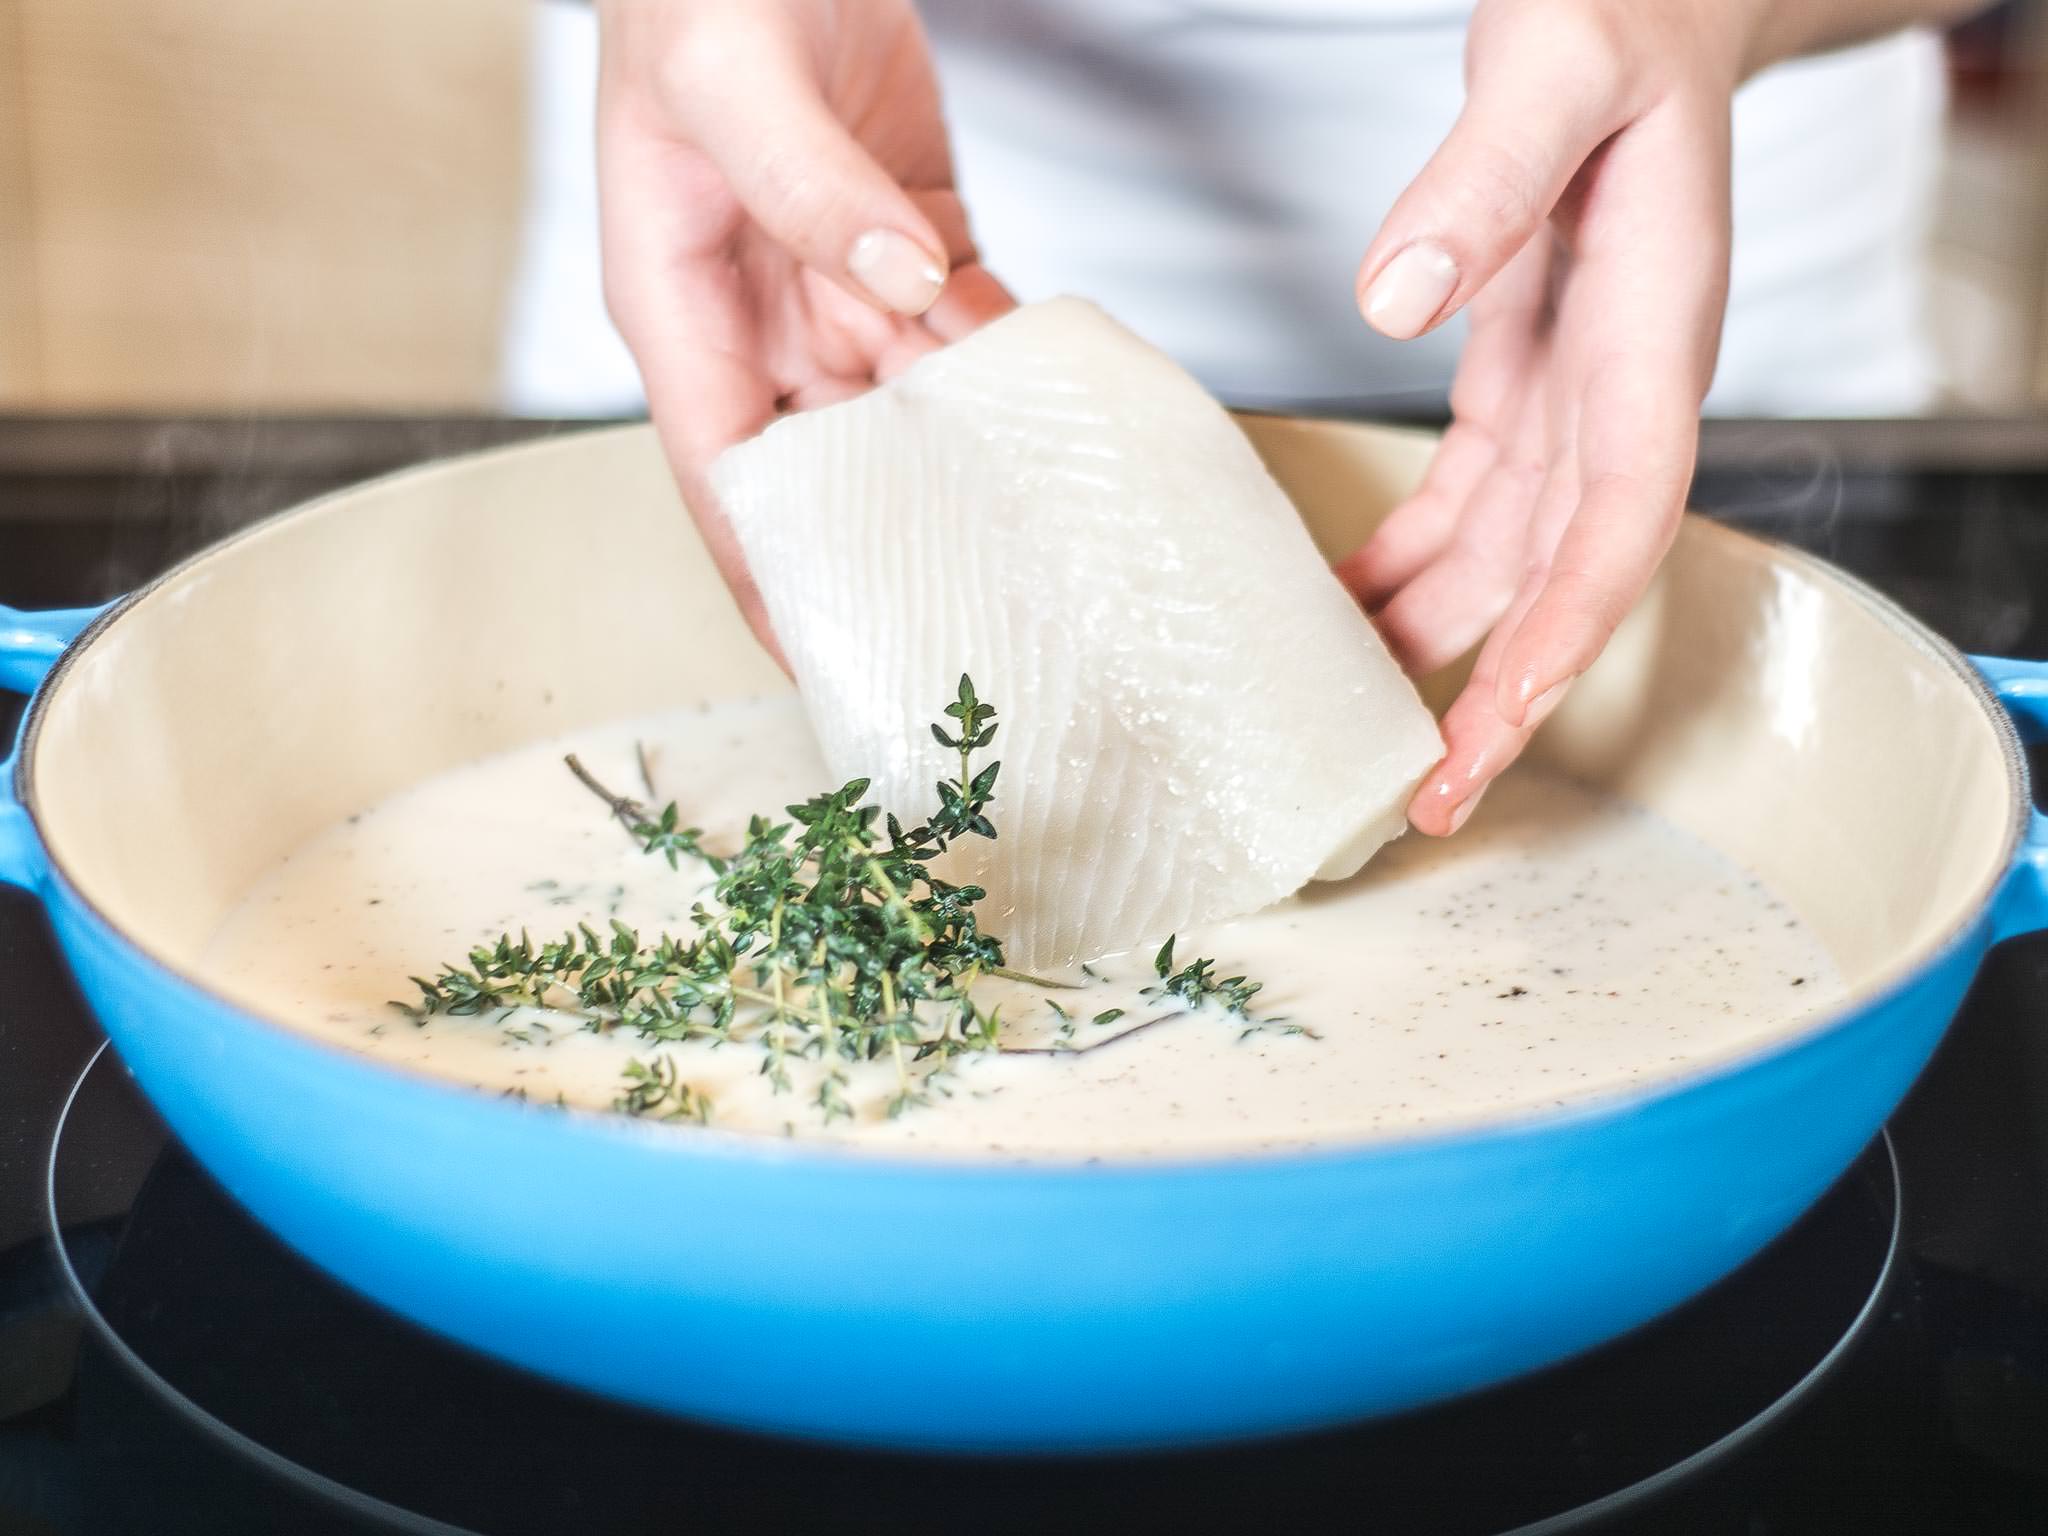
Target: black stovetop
166, 1367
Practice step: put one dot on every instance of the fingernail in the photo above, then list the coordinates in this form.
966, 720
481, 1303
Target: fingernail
1410, 290
897, 272
1538, 709
1463, 813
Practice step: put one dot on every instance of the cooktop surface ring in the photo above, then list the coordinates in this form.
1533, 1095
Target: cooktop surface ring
1866, 1203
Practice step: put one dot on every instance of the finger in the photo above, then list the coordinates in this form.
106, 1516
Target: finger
1554, 508
745, 90
690, 329
1418, 531
667, 227
1478, 746
905, 348
1445, 609
1543, 94
1656, 258
1624, 524
829, 391
1555, 502
972, 296
1487, 393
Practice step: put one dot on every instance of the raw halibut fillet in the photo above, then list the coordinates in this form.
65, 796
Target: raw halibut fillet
1195, 717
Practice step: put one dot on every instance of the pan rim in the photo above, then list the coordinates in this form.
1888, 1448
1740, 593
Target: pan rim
733, 1145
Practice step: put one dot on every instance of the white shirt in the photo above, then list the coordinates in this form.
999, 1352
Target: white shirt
1210, 171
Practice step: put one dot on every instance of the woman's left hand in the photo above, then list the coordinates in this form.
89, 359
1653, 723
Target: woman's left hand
1579, 211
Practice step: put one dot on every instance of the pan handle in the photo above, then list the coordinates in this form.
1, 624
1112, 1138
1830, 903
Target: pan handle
2022, 687
30, 644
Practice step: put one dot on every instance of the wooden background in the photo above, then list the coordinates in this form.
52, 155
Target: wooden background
256, 203
227, 205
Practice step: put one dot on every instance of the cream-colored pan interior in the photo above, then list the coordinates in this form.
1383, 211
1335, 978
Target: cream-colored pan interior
335, 654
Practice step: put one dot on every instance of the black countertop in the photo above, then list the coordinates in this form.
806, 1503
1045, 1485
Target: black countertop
117, 498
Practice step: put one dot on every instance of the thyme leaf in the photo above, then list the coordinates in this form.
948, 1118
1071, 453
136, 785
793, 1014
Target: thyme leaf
657, 1090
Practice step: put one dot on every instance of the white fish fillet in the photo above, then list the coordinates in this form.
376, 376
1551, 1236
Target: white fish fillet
1195, 717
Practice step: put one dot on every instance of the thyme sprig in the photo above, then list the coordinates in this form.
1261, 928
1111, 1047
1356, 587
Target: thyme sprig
1195, 983
827, 937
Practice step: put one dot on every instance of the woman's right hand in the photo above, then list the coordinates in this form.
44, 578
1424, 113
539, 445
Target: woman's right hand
778, 215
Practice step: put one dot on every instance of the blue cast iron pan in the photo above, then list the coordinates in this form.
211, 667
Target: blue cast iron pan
803, 1289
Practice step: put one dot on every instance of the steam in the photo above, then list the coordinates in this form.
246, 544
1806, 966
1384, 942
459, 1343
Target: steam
1950, 547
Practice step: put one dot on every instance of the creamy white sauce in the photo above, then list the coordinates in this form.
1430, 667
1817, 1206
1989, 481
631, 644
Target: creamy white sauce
1564, 944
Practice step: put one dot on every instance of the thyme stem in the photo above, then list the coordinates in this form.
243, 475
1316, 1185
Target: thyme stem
630, 813
1093, 1045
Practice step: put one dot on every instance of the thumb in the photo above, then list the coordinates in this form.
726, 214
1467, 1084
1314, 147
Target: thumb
1523, 135
753, 104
